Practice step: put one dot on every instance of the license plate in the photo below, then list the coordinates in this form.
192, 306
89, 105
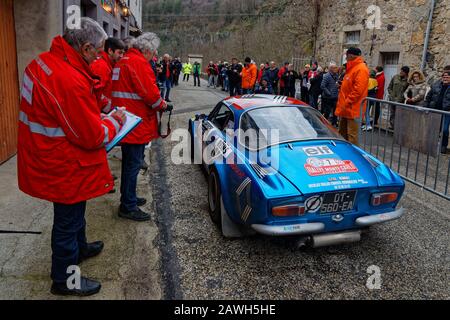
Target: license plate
338, 202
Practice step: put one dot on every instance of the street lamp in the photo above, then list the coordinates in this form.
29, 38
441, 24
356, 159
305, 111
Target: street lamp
107, 6
125, 11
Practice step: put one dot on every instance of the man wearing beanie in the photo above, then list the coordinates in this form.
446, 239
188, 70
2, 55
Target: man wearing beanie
353, 91
396, 89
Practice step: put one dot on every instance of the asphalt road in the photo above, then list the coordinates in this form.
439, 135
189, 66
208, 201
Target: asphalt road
412, 254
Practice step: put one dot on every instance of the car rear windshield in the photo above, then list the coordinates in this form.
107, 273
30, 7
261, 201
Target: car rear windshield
269, 126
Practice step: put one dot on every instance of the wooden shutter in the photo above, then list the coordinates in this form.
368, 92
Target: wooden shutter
9, 84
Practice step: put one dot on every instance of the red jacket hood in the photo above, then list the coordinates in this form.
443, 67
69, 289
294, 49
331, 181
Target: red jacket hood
105, 57
136, 53
63, 50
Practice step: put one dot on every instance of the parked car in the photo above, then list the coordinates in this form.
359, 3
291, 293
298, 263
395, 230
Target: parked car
308, 182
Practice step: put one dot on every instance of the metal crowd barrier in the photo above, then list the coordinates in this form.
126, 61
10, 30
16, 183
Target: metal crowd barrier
408, 139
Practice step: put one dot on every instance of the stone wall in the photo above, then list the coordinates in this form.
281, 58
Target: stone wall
439, 50
37, 23
403, 27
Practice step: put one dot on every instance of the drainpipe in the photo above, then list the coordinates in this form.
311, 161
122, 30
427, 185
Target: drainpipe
427, 35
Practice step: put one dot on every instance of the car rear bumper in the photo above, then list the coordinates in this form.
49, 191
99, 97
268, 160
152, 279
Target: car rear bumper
319, 227
379, 218
289, 230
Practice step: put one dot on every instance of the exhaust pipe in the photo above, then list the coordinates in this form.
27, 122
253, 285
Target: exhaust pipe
331, 239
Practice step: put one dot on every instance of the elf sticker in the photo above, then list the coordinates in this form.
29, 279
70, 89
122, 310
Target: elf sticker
317, 151
320, 167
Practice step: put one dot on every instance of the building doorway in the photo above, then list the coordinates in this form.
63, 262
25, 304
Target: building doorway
9, 83
390, 62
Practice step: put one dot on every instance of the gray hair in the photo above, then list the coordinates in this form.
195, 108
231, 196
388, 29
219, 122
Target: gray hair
147, 41
332, 64
127, 41
89, 32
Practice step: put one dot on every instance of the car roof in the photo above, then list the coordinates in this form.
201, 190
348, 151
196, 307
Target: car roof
252, 101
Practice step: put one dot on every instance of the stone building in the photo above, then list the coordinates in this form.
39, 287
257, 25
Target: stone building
398, 40
27, 29
38, 22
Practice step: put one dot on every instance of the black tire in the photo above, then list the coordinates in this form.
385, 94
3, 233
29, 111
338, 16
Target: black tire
214, 197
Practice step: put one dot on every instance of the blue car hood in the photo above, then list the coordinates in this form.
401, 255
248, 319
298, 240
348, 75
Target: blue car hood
320, 166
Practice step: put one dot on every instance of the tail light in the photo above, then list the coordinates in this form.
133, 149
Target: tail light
379, 199
288, 211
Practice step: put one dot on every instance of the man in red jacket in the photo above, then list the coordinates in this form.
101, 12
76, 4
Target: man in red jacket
380, 93
103, 69
61, 146
280, 76
135, 88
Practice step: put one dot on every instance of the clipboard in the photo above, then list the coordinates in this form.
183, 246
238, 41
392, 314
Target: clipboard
131, 123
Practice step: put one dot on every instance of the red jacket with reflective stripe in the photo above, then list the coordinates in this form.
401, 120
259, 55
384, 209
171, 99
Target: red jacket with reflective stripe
103, 68
61, 146
135, 88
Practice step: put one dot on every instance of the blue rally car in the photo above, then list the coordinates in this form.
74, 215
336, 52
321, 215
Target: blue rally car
293, 175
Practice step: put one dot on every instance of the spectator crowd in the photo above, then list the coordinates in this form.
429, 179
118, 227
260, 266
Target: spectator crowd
336, 91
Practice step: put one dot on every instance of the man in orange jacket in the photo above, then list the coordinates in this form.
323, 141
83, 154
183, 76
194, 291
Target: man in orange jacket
353, 91
249, 75
61, 148
135, 88
103, 69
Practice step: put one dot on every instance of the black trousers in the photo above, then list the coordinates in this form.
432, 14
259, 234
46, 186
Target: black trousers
289, 92
176, 79
132, 159
186, 75
68, 238
377, 112
235, 89
275, 88
329, 108
196, 80
305, 95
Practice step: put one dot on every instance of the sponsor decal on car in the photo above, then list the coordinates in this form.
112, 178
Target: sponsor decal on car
317, 151
313, 204
320, 167
338, 185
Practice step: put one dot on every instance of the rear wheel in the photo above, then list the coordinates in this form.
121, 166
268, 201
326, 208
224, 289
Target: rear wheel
214, 196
